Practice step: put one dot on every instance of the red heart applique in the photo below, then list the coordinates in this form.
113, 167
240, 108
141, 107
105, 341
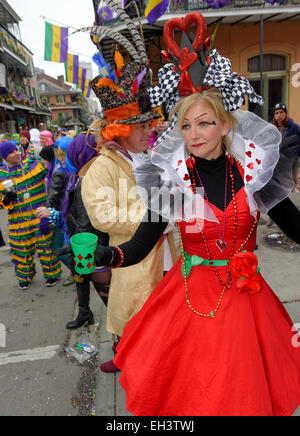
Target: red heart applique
251, 165
187, 59
252, 145
248, 178
258, 161
183, 24
249, 153
186, 177
179, 163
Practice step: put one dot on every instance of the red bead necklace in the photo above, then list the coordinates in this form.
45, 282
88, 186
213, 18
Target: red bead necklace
191, 164
228, 283
220, 243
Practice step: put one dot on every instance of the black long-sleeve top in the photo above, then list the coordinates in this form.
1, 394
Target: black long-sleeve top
285, 214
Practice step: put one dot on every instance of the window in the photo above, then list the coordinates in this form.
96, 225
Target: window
274, 81
60, 99
271, 63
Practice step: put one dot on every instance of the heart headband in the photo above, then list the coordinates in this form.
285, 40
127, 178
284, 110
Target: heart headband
193, 71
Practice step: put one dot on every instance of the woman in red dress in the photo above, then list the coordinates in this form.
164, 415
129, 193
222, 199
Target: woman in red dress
213, 338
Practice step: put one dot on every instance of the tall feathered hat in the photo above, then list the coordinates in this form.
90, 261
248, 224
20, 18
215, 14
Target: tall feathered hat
123, 91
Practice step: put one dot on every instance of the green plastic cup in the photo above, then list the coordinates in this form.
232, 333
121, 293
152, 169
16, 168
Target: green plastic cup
84, 248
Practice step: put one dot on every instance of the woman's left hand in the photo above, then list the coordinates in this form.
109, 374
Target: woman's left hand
42, 212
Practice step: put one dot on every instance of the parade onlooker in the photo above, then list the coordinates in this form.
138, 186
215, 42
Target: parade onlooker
287, 128
27, 192
57, 183
81, 153
35, 137
28, 150
284, 123
46, 138
47, 155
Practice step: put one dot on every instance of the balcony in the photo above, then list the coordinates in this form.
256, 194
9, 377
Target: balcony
14, 52
202, 5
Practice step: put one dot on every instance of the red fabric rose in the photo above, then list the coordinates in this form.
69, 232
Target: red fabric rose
244, 266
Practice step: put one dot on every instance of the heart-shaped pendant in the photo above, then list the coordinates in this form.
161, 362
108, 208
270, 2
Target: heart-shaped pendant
183, 24
222, 245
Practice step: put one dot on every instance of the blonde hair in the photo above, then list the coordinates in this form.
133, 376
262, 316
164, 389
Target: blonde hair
213, 99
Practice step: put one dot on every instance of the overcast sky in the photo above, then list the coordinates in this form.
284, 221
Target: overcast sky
75, 13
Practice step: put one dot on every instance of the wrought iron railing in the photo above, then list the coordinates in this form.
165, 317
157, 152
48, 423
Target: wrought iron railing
186, 5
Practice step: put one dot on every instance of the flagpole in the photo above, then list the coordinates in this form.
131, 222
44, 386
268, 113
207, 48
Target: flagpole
57, 22
70, 27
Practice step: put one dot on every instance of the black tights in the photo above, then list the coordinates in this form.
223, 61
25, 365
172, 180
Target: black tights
101, 282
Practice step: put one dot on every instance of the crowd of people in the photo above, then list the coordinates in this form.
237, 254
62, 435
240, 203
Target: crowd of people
202, 334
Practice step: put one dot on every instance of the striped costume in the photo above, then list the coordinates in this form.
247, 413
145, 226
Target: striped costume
23, 226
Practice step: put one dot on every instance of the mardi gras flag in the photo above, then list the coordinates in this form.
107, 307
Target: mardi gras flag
155, 9
56, 43
106, 14
82, 78
87, 89
72, 69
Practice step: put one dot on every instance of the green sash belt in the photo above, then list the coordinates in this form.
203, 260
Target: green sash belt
195, 260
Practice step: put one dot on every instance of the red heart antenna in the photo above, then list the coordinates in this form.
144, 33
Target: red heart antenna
183, 24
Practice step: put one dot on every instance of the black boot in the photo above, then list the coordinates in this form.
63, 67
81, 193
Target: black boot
85, 314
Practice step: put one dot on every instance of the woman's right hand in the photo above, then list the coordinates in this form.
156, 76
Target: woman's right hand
42, 212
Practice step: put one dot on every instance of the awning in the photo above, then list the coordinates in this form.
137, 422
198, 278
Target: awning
7, 14
48, 114
274, 13
22, 107
7, 106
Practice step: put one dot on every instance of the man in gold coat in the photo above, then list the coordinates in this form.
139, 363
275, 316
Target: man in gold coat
110, 195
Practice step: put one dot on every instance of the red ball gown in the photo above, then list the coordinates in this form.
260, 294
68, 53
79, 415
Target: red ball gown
244, 361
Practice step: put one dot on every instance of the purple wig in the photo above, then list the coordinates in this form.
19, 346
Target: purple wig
80, 151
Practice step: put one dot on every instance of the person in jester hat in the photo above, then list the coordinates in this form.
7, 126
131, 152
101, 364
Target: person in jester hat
22, 191
212, 338
123, 137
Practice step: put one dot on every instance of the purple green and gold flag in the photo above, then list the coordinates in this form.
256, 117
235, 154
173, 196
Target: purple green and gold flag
82, 78
155, 9
87, 89
56, 43
72, 69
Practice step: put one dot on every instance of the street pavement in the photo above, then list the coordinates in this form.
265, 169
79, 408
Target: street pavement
39, 378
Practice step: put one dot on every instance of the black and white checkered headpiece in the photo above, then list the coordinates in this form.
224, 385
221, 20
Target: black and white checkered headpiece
219, 75
231, 86
167, 91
